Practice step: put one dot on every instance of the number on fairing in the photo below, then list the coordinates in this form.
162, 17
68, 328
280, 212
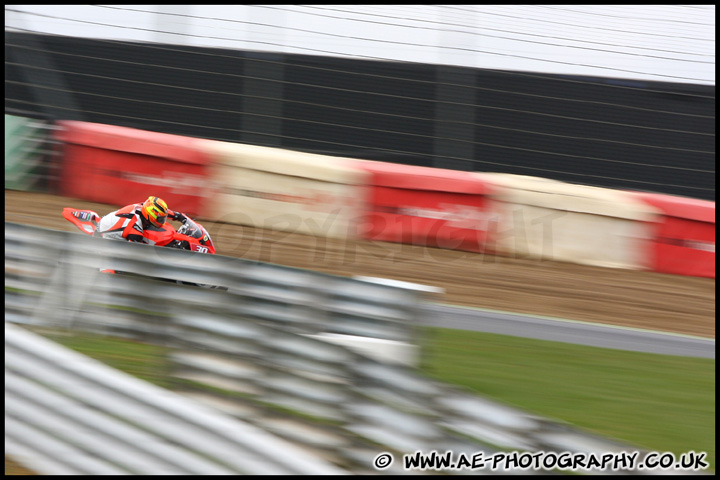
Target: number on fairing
200, 248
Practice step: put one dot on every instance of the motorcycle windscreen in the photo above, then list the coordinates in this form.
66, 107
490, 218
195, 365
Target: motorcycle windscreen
192, 229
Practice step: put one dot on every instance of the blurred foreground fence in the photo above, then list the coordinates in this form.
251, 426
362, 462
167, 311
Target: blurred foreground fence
74, 416
265, 352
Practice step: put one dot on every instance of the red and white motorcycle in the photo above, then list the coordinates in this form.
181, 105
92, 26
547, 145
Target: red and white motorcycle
190, 236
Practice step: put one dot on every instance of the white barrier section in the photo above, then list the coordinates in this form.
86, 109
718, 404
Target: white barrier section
388, 351
66, 413
551, 220
284, 190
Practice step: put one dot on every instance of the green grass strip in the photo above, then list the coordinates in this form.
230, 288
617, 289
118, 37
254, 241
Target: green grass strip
660, 402
147, 362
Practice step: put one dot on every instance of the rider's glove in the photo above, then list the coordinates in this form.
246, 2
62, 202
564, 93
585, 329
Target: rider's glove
177, 216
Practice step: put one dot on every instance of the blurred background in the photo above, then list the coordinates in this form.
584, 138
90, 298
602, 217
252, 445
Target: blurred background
613, 96
617, 97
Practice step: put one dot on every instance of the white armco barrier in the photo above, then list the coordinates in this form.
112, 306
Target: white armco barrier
68, 414
551, 220
284, 190
387, 351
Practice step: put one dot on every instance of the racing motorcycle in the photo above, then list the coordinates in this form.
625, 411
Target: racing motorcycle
190, 236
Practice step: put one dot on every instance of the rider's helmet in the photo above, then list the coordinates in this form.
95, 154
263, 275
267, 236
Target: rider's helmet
154, 210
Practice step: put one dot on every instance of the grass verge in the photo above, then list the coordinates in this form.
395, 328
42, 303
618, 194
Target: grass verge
660, 402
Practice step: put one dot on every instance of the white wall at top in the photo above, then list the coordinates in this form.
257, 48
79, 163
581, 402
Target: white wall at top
673, 43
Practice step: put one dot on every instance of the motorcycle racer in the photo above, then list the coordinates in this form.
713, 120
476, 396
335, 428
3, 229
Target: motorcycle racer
130, 222
145, 223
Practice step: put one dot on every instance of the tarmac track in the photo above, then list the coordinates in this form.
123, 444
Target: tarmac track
567, 331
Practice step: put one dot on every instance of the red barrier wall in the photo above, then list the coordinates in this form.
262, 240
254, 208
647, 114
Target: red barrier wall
428, 206
120, 165
684, 242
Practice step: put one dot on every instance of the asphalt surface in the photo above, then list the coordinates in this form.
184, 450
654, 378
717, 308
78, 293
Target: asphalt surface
558, 330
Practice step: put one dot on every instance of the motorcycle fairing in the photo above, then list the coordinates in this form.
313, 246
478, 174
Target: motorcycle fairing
85, 220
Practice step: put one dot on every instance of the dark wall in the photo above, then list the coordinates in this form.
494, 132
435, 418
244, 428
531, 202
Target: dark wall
649, 136
638, 135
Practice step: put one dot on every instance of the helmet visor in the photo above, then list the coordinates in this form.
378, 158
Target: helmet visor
155, 215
